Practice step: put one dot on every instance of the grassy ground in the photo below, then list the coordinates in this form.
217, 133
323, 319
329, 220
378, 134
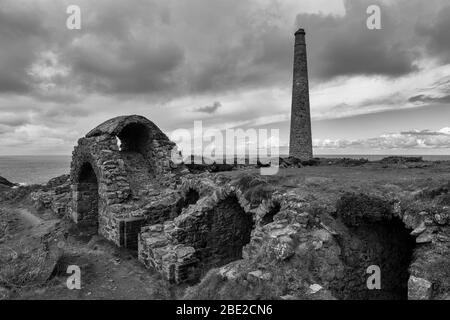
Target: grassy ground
327, 183
112, 273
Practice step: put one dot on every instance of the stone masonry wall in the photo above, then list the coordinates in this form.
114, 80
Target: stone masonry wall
207, 234
56, 195
118, 204
183, 224
300, 145
328, 249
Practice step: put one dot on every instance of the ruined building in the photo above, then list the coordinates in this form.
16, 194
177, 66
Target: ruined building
125, 187
300, 144
118, 175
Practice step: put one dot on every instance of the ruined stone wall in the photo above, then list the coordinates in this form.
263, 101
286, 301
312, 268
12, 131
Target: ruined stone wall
182, 226
300, 145
207, 234
334, 247
87, 201
385, 244
124, 195
154, 145
56, 195
218, 235
101, 153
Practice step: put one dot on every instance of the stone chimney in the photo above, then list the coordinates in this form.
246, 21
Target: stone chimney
300, 145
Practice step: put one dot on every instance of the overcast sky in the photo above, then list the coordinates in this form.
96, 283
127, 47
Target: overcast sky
228, 63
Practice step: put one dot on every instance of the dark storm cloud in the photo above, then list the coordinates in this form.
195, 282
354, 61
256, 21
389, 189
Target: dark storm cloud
344, 46
206, 54
122, 49
164, 50
260, 58
149, 47
13, 120
365, 55
436, 31
210, 109
19, 37
161, 49
422, 133
144, 55
132, 68
4, 129
429, 99
105, 58
12, 82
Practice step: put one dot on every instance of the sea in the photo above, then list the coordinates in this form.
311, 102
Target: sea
33, 169
28, 170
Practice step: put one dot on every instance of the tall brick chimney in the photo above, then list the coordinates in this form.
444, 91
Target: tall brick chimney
300, 145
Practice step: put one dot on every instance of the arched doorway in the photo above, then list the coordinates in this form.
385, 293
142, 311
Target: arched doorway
377, 238
223, 233
87, 198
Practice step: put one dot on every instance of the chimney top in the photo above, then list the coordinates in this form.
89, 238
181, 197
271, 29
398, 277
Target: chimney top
300, 31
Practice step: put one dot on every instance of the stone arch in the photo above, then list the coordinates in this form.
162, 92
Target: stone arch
138, 136
375, 237
86, 197
227, 229
127, 176
386, 244
81, 161
209, 234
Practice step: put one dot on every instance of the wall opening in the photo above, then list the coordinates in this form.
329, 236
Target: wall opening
134, 138
129, 230
268, 217
87, 198
386, 244
119, 143
135, 146
227, 230
375, 236
191, 197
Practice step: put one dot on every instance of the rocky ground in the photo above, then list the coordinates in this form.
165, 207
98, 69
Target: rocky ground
37, 244
35, 254
5, 185
334, 218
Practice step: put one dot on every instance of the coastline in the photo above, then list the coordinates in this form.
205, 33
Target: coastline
29, 170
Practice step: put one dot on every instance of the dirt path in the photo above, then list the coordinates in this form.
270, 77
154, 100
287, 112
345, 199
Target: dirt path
28, 217
107, 272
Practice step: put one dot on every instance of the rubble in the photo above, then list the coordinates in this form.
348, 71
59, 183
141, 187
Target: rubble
419, 289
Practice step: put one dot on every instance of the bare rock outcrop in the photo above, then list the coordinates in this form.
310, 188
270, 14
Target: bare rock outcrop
6, 185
